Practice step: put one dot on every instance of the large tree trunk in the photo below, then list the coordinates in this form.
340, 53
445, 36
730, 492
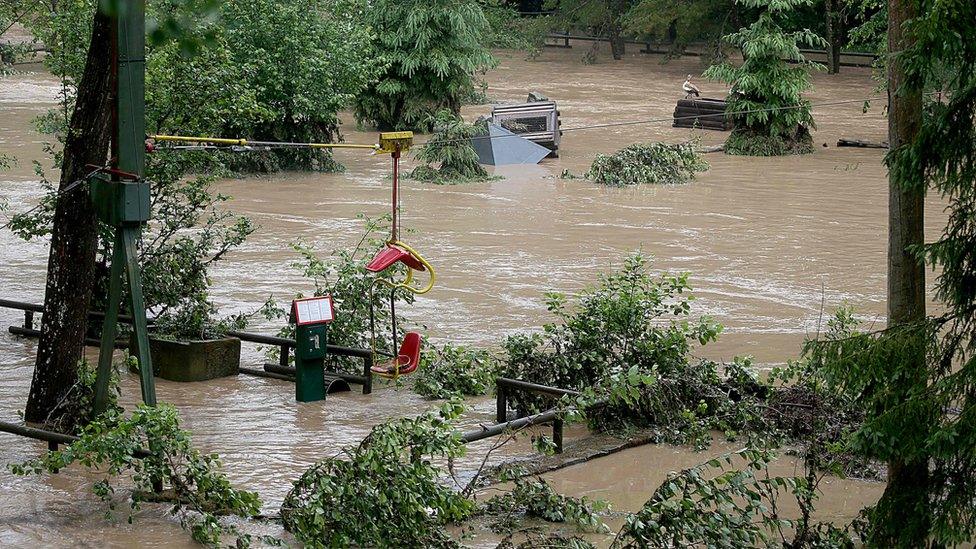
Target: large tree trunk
834, 35
71, 263
618, 43
901, 516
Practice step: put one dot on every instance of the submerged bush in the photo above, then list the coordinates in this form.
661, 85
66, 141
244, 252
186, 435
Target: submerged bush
629, 319
729, 502
534, 497
200, 492
384, 492
652, 163
450, 149
455, 370
749, 143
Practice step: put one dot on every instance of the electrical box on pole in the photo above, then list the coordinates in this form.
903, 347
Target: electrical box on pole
311, 317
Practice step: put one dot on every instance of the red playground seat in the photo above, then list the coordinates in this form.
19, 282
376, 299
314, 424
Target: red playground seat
390, 255
406, 360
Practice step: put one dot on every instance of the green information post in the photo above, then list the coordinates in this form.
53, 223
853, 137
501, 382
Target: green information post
311, 317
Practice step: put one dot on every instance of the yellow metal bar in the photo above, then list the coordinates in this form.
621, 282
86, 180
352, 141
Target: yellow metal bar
341, 146
244, 142
188, 139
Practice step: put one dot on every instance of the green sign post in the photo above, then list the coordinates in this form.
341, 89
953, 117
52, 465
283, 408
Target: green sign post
122, 199
311, 317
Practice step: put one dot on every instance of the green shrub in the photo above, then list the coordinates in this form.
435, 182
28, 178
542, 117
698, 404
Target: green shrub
628, 319
384, 492
653, 163
729, 502
107, 446
536, 498
455, 370
748, 143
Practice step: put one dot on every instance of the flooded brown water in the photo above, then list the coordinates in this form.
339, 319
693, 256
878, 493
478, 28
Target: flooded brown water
767, 242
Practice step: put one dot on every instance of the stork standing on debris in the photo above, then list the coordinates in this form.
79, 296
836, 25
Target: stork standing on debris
690, 89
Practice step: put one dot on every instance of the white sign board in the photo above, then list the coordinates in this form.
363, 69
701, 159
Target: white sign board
313, 310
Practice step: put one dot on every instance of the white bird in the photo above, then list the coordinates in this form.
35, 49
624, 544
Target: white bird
690, 89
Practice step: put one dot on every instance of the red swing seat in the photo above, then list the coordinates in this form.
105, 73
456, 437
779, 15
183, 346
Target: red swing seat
390, 255
407, 359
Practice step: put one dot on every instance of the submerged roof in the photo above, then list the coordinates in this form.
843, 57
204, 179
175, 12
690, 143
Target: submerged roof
503, 147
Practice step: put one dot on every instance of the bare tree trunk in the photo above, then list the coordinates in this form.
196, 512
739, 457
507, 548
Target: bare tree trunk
901, 517
834, 35
618, 44
71, 263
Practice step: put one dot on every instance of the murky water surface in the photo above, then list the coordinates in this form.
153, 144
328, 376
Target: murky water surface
768, 241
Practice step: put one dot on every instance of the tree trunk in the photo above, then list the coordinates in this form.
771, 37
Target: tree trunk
834, 35
618, 44
901, 517
71, 263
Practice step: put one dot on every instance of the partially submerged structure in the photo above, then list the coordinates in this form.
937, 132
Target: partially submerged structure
502, 147
704, 113
537, 121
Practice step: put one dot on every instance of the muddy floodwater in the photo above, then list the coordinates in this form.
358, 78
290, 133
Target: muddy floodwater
768, 242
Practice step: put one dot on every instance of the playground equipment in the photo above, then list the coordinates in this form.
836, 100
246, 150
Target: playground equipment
397, 253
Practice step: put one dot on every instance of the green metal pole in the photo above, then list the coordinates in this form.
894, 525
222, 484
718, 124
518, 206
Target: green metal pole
147, 379
127, 203
132, 86
109, 328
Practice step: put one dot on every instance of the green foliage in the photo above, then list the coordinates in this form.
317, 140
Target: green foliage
652, 163
188, 232
385, 491
681, 403
916, 381
74, 410
535, 498
194, 319
629, 319
766, 100
343, 275
871, 31
108, 447
271, 70
730, 502
683, 22
450, 148
750, 143
455, 370
534, 538
432, 51
508, 30
266, 70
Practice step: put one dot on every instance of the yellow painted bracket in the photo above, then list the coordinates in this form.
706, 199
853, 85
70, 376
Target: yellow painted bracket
391, 142
406, 282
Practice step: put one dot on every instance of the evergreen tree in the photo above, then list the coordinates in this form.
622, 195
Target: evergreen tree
432, 50
916, 380
767, 89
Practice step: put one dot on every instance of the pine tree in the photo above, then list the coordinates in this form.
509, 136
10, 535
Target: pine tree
432, 50
767, 87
